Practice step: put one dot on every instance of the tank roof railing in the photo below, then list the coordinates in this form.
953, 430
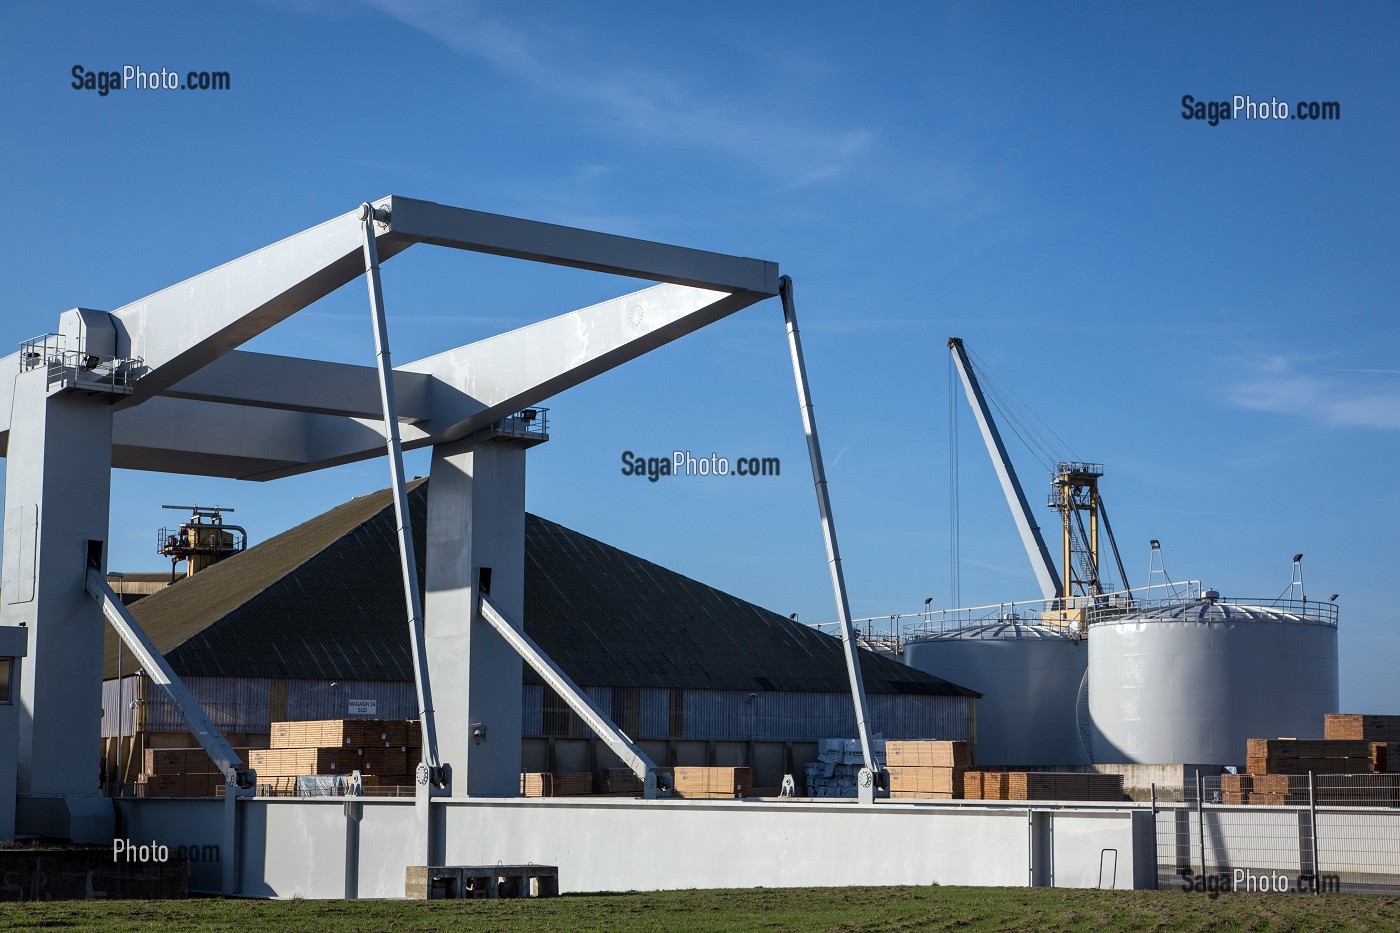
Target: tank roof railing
893, 630
1266, 609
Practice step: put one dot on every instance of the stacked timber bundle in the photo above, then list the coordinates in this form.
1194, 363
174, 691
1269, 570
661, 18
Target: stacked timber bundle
985, 784
1361, 726
1064, 785
180, 772
389, 750
1235, 788
1347, 765
927, 769
1381, 733
341, 733
556, 783
712, 783
1273, 790
1316, 756
1043, 785
1385, 757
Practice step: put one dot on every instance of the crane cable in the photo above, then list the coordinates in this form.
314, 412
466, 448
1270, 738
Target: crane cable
1039, 438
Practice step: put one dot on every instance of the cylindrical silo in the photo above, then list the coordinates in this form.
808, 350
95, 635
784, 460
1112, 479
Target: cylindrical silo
1189, 683
1029, 677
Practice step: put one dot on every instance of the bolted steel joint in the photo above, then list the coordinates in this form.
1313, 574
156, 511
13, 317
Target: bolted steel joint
380, 214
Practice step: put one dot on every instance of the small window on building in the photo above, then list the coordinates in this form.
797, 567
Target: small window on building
7, 668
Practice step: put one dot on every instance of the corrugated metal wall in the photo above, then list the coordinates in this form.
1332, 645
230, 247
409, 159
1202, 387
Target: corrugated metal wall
731, 715
806, 717
251, 705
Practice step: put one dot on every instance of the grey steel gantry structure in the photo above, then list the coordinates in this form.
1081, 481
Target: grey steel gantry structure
161, 384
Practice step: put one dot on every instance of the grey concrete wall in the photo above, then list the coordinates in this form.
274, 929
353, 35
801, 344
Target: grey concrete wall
296, 847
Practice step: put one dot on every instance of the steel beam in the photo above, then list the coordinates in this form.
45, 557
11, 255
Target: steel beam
833, 551
479, 384
1031, 537
408, 561
561, 683
413, 221
180, 329
262, 380
158, 669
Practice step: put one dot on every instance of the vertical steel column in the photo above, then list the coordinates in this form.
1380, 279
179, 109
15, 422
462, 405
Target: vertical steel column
833, 554
1201, 819
394, 448
1312, 828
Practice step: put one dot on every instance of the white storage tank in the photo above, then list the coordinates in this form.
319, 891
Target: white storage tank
1188, 683
1029, 676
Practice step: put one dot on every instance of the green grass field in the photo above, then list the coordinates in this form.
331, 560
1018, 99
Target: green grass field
968, 910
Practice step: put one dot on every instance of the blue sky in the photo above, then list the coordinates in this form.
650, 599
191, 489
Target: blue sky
1209, 311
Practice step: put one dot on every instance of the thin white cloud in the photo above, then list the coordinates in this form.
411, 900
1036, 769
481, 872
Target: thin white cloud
1296, 386
645, 104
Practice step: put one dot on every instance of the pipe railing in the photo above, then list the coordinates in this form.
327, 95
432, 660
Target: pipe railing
895, 629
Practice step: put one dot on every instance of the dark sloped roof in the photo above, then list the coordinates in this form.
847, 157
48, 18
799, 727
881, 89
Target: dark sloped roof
324, 601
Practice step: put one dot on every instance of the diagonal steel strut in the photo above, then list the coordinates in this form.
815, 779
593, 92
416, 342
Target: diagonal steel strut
621, 744
159, 670
408, 561
833, 553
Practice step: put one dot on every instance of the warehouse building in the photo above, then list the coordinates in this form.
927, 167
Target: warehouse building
311, 625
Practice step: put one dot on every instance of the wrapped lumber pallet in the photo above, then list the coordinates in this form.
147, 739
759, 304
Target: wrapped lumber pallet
713, 783
326, 733
556, 783
1385, 757
912, 753
1234, 797
927, 780
1362, 726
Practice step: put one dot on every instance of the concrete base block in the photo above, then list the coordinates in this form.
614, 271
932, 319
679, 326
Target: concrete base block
80, 820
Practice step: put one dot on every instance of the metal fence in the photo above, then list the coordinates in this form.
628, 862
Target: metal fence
1302, 833
74, 366
893, 631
